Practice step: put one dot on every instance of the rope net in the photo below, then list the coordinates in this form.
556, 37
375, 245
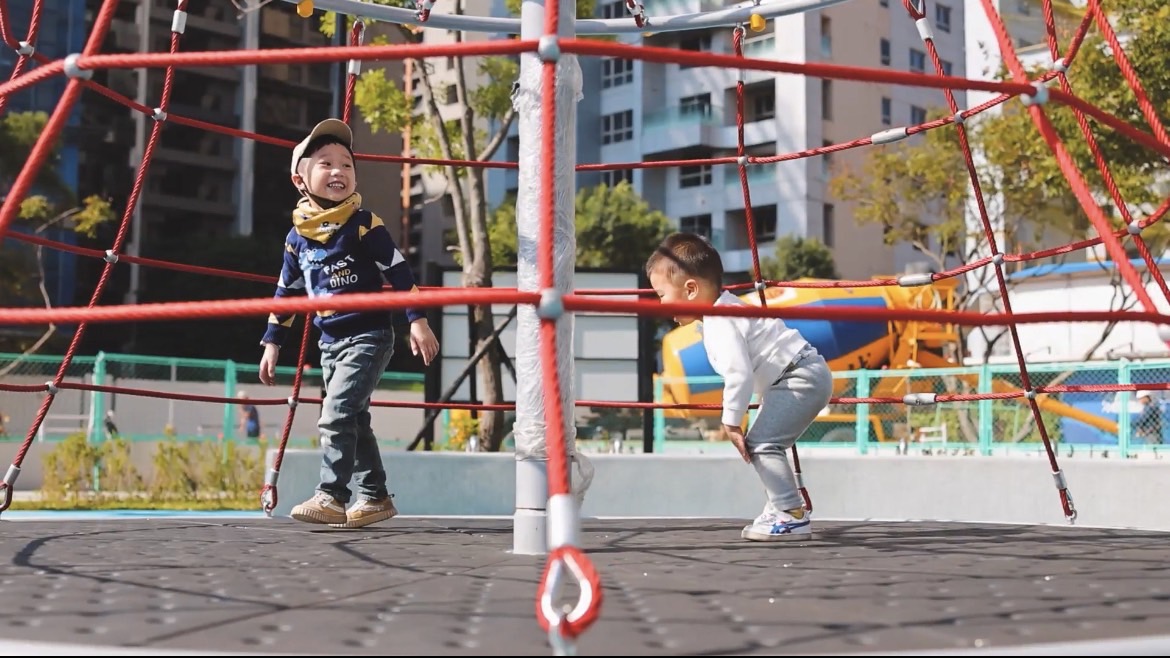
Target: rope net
568, 559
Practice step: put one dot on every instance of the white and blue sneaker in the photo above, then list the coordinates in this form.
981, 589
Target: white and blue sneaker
778, 526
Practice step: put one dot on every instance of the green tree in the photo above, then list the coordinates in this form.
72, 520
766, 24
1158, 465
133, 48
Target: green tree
1029, 200
799, 257
22, 269
616, 229
386, 106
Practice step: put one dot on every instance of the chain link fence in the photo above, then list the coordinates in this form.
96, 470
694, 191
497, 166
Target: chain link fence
1125, 423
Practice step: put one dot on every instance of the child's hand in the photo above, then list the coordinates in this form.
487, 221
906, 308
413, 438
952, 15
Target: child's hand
735, 434
268, 364
422, 341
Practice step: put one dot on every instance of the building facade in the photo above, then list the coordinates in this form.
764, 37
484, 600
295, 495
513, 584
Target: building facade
641, 111
430, 213
62, 31
203, 184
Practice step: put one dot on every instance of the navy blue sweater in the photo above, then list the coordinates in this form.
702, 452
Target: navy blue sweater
359, 257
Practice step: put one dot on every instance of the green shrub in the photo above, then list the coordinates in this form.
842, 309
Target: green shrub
186, 474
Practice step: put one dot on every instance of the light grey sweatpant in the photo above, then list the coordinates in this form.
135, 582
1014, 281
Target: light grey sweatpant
786, 410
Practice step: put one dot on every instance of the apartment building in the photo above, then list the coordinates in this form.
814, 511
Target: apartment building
652, 111
62, 31
203, 184
430, 213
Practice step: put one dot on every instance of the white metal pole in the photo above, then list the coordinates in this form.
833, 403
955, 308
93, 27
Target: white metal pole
529, 528
244, 218
134, 248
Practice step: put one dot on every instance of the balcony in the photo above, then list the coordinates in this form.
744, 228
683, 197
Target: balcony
680, 127
181, 156
760, 47
761, 184
740, 260
216, 209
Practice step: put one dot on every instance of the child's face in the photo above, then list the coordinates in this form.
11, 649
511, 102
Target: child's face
329, 173
675, 289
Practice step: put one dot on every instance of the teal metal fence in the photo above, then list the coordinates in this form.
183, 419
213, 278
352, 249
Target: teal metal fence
1095, 421
205, 376
1114, 422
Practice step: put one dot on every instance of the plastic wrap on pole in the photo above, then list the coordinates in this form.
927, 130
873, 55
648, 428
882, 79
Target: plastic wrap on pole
530, 424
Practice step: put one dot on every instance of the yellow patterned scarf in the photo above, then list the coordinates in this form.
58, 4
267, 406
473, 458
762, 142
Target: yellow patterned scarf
320, 225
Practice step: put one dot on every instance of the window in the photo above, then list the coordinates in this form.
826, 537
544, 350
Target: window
885, 52
617, 127
698, 224
917, 61
450, 63
885, 3
764, 218
699, 105
613, 178
451, 95
698, 43
942, 18
826, 99
826, 161
616, 72
917, 115
697, 176
613, 9
947, 67
826, 37
887, 112
828, 228
765, 105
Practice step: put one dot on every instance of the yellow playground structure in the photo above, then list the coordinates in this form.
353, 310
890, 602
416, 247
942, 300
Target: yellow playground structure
898, 347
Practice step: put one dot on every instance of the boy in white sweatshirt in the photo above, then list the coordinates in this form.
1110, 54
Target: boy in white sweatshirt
753, 355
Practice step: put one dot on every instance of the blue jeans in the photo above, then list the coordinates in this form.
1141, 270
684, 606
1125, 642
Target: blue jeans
351, 368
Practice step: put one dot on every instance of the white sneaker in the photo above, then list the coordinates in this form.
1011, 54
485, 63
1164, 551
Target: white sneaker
778, 526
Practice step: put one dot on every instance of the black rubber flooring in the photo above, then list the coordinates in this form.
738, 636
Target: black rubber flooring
444, 586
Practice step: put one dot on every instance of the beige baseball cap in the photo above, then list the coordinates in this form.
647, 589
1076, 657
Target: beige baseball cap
332, 127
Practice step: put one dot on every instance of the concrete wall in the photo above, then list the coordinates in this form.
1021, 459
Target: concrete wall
976, 489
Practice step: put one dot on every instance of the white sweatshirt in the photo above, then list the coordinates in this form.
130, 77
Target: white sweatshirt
749, 353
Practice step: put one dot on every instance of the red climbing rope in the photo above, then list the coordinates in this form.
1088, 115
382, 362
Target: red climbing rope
38, 155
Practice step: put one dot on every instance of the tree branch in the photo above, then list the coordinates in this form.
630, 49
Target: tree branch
432, 112
926, 251
48, 304
52, 329
498, 139
478, 207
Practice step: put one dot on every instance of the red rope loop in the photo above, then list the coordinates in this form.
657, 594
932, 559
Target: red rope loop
571, 624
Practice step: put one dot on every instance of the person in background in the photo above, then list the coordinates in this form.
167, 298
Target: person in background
249, 418
1148, 426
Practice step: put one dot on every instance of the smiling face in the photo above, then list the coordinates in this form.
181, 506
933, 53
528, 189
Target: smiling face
328, 173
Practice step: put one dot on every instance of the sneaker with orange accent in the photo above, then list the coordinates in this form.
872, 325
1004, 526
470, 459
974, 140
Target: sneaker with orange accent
321, 508
364, 512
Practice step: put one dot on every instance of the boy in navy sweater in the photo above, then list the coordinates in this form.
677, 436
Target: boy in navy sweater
337, 247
